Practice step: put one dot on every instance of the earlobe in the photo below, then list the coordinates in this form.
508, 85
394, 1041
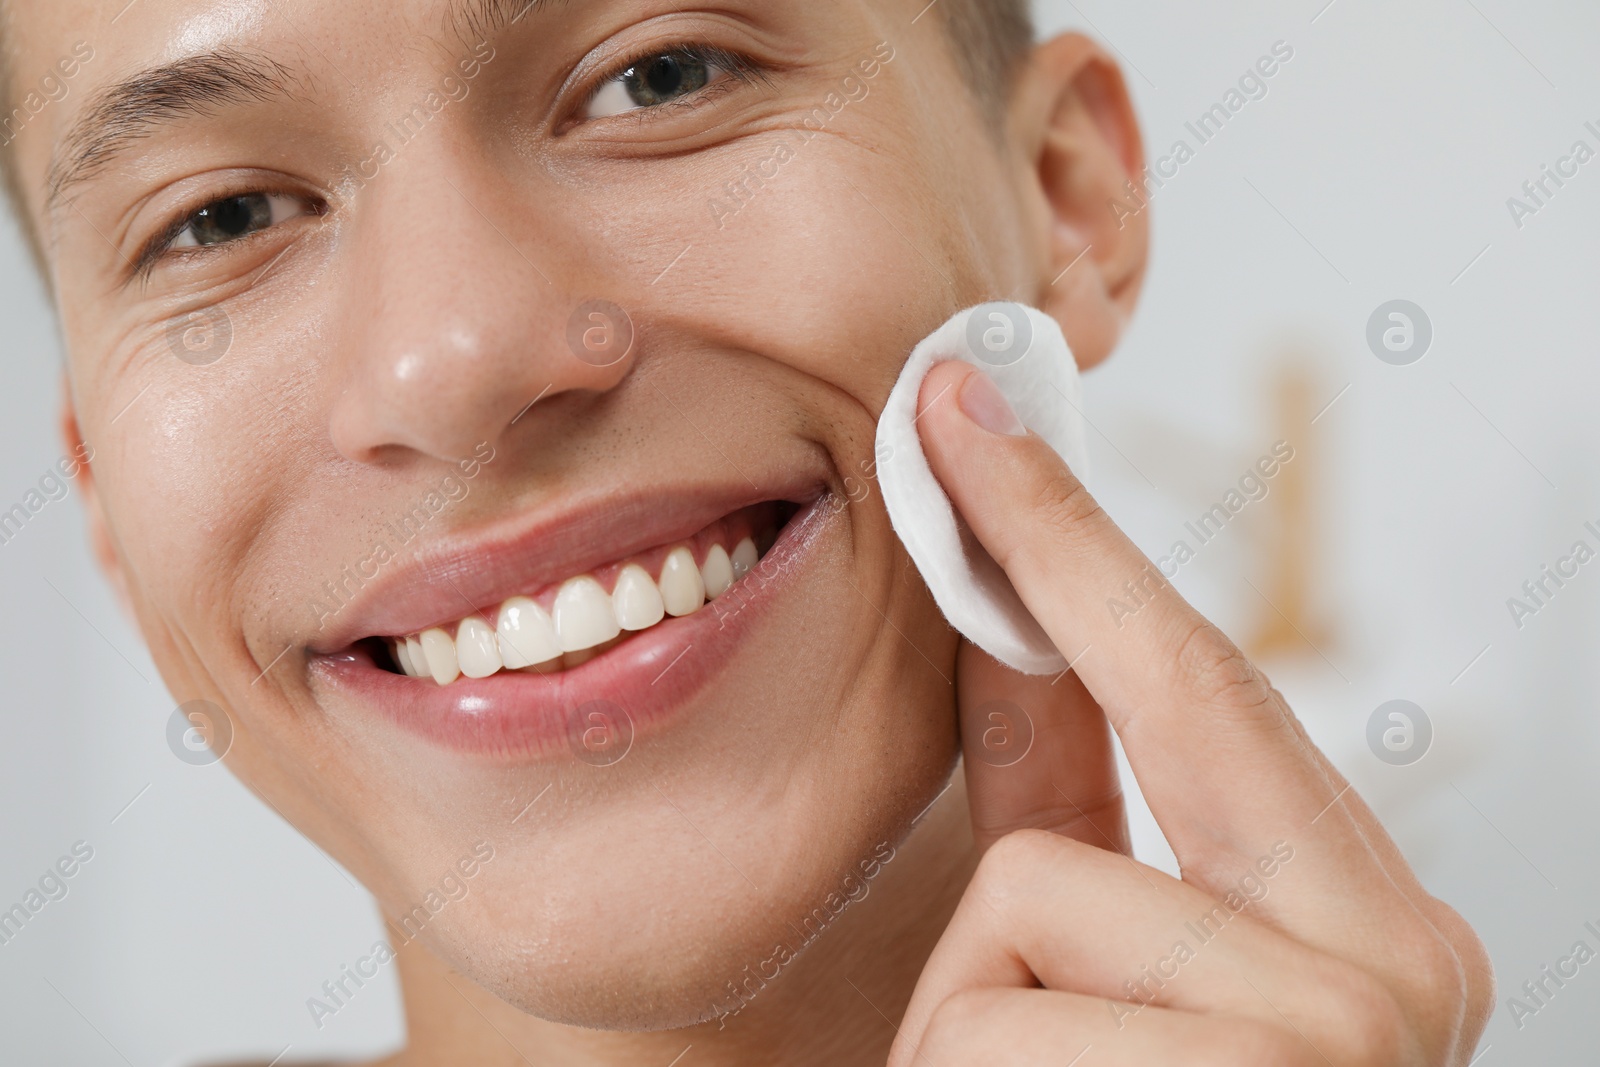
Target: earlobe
1075, 120
82, 453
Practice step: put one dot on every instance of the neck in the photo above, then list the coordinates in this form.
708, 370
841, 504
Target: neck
838, 1003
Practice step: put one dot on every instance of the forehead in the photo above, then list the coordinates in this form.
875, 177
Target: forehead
157, 30
125, 33
71, 55
129, 34
66, 58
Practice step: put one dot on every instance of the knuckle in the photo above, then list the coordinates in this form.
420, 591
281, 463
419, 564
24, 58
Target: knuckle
1469, 952
1064, 500
1221, 675
1015, 853
1371, 1025
1451, 974
958, 1025
1439, 971
1257, 1044
1011, 861
1481, 983
1064, 505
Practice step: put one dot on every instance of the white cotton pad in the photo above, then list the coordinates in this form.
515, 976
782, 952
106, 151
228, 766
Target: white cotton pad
1023, 350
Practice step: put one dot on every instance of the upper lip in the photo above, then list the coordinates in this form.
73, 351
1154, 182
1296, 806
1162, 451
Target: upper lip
461, 572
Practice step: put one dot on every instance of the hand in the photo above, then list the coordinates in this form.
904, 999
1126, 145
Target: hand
1297, 934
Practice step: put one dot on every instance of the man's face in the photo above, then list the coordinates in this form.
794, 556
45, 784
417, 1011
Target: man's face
472, 311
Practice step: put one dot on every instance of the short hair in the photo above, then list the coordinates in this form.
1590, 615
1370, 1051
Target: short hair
989, 39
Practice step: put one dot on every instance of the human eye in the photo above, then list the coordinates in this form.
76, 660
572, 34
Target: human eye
667, 76
223, 221
234, 217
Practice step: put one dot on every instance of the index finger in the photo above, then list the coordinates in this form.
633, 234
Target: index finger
1211, 743
1227, 770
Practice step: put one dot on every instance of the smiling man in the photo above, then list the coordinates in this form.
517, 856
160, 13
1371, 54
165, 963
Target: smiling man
482, 399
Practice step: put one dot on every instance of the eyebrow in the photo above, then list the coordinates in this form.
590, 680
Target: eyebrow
474, 21
129, 110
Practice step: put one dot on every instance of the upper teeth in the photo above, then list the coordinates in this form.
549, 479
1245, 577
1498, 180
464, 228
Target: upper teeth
521, 635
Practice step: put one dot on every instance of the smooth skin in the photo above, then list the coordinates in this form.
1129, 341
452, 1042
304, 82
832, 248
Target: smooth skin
1343, 959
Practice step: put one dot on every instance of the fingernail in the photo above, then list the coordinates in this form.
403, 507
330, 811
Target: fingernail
987, 406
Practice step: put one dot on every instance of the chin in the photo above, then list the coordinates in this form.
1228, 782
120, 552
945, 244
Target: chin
681, 789
653, 910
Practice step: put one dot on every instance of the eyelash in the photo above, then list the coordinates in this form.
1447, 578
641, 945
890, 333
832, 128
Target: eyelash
160, 247
742, 69
739, 68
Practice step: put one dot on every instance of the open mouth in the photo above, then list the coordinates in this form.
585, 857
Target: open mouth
565, 624
545, 636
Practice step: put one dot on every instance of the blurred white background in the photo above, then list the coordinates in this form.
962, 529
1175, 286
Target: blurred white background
1376, 167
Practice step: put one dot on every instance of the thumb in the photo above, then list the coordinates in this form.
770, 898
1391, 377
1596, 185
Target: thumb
1037, 754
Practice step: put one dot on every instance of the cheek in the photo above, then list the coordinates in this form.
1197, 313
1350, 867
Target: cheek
835, 266
843, 304
171, 480
188, 463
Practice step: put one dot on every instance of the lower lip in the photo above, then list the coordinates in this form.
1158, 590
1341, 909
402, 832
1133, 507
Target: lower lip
595, 712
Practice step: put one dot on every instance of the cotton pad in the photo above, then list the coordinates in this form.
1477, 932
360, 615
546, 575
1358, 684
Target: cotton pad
1023, 351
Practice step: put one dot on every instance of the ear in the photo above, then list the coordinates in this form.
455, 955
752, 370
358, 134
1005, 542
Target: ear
100, 540
1075, 125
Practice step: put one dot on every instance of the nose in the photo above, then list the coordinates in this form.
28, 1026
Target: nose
455, 323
